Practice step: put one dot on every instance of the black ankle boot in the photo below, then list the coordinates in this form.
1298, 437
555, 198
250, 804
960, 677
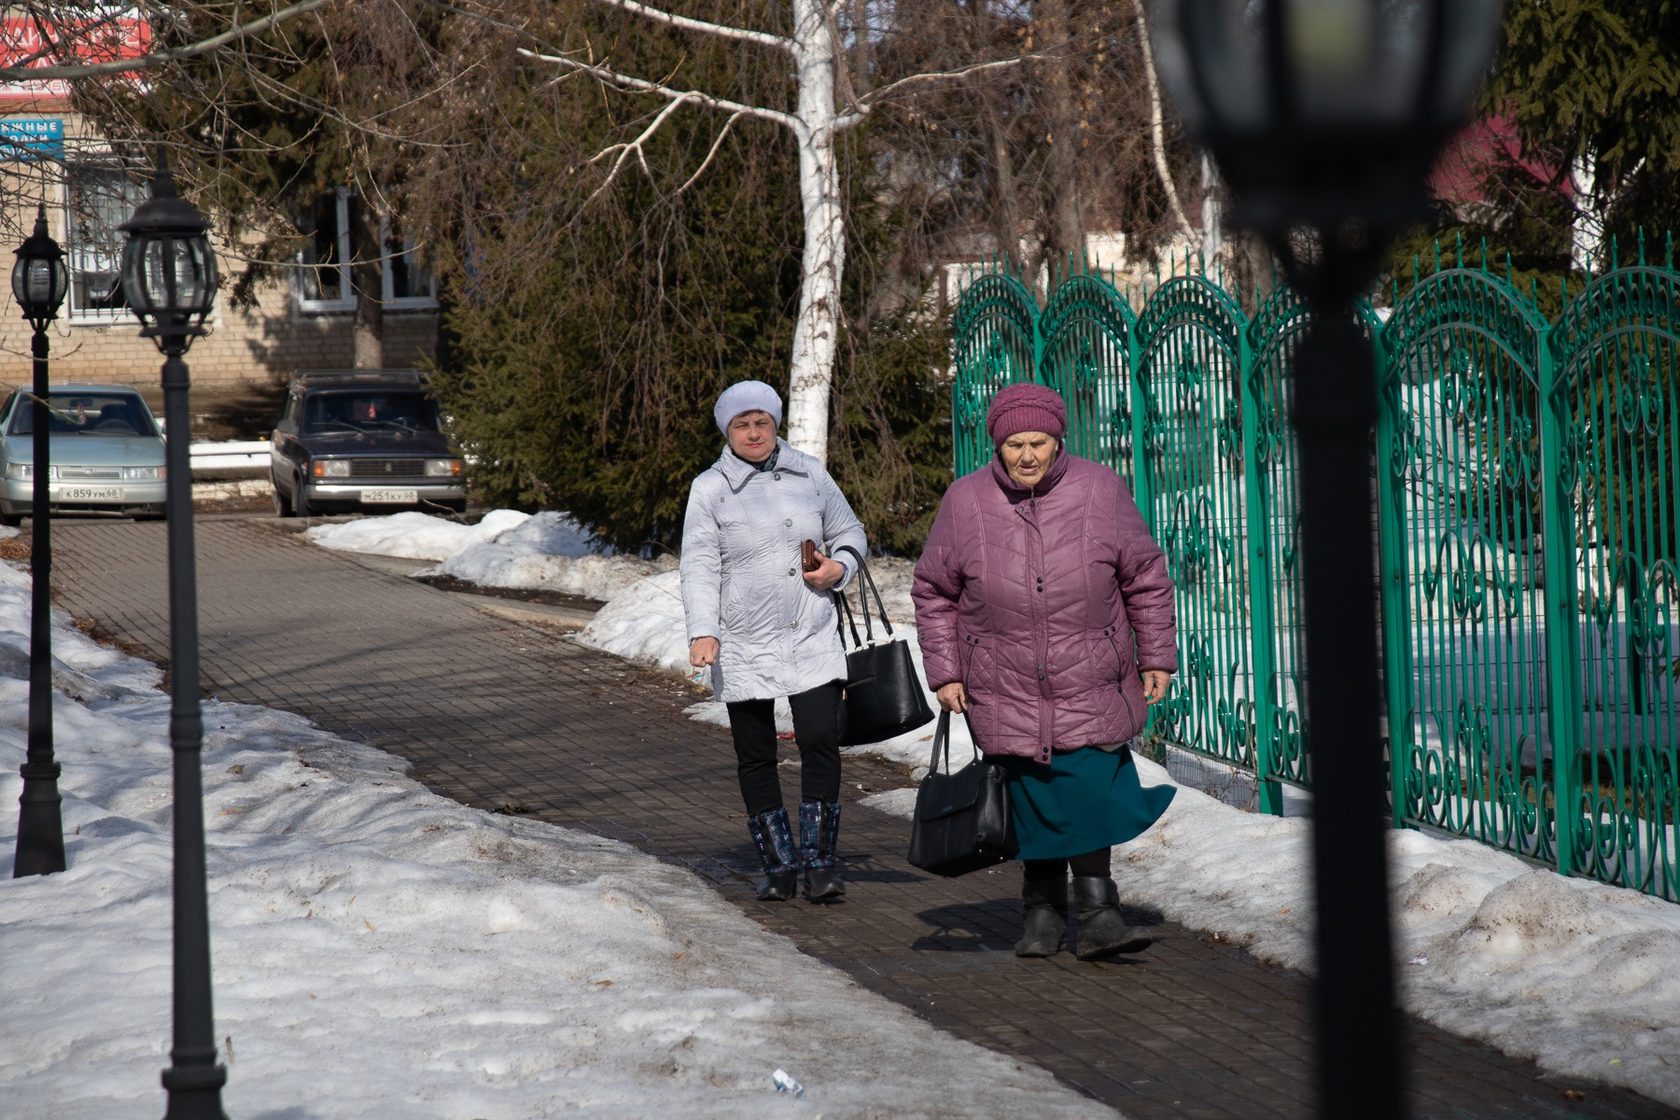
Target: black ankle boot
1045, 904
1103, 933
772, 835
819, 839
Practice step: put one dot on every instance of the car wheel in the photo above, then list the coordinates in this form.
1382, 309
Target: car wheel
282, 504
11, 520
300, 499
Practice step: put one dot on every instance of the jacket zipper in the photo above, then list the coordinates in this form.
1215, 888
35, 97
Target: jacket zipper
973, 644
1120, 684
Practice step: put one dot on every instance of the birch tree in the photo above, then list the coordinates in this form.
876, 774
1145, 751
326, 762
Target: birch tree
827, 101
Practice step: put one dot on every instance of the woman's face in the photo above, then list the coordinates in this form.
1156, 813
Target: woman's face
752, 436
1027, 455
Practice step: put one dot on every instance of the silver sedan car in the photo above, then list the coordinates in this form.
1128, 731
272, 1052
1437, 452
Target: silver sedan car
105, 453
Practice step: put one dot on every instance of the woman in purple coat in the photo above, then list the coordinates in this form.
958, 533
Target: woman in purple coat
1045, 614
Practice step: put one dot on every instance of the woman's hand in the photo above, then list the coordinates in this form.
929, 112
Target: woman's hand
953, 697
1155, 682
827, 574
702, 652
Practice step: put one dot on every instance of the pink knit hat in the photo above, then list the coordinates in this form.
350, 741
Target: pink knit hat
1025, 407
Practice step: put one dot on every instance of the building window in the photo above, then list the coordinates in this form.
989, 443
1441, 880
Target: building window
324, 281
98, 199
407, 282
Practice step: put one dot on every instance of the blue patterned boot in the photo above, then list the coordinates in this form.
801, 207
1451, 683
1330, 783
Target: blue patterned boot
819, 839
772, 835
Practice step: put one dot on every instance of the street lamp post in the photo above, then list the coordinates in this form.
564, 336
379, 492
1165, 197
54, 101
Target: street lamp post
39, 281
169, 281
1325, 117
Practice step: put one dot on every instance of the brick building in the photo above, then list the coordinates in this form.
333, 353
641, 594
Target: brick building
306, 321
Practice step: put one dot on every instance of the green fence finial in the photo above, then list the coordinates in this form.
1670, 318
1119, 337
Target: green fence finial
1458, 248
1437, 255
1641, 246
1668, 251
1615, 254
1484, 256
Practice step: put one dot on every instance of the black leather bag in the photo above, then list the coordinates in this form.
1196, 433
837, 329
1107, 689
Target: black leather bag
961, 823
884, 693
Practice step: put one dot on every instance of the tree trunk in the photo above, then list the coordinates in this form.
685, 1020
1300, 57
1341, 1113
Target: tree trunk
368, 330
1005, 208
1067, 212
816, 329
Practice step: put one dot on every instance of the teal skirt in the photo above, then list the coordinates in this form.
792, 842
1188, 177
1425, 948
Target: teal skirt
1082, 801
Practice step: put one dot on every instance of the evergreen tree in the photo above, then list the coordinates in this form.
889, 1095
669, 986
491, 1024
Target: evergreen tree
1579, 145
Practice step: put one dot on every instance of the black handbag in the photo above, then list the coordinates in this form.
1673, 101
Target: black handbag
962, 822
884, 693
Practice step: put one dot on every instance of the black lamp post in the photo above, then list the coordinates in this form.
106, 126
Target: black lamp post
39, 281
1325, 117
169, 281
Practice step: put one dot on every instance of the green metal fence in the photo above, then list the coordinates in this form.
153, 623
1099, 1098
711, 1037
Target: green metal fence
1526, 476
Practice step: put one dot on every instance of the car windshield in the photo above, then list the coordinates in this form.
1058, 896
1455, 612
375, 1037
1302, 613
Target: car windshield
365, 411
87, 414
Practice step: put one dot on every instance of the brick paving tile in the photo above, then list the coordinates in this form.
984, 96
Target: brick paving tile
506, 716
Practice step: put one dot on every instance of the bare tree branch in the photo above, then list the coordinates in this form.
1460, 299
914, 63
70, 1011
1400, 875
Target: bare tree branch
642, 85
635, 147
704, 27
716, 144
153, 59
874, 97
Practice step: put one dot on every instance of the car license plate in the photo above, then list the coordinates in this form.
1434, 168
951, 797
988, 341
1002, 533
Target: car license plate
407, 497
89, 494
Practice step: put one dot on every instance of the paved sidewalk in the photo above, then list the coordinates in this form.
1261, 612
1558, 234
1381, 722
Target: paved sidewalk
515, 718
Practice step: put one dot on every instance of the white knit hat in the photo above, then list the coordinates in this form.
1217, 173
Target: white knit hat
746, 396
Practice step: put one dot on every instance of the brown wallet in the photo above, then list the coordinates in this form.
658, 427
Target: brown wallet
808, 556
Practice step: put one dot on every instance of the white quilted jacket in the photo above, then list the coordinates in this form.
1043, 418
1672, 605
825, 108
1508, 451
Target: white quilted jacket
741, 581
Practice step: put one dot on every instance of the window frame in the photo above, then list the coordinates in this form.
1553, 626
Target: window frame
345, 302
106, 164
387, 272
346, 299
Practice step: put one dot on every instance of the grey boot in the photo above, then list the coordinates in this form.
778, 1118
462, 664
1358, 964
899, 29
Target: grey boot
1045, 902
1103, 933
772, 835
819, 841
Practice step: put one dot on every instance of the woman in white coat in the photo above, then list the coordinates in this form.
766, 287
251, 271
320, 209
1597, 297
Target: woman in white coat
767, 628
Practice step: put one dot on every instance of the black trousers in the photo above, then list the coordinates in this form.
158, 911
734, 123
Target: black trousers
816, 728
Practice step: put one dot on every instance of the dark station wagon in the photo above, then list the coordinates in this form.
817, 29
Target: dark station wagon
363, 440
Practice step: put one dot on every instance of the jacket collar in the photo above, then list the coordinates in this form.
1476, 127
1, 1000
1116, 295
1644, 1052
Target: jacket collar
1015, 492
738, 472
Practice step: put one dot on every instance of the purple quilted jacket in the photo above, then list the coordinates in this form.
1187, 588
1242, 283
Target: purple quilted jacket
1033, 598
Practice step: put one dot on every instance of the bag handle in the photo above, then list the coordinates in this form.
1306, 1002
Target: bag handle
942, 742
866, 587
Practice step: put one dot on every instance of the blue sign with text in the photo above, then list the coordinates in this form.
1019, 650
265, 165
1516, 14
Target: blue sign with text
31, 140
